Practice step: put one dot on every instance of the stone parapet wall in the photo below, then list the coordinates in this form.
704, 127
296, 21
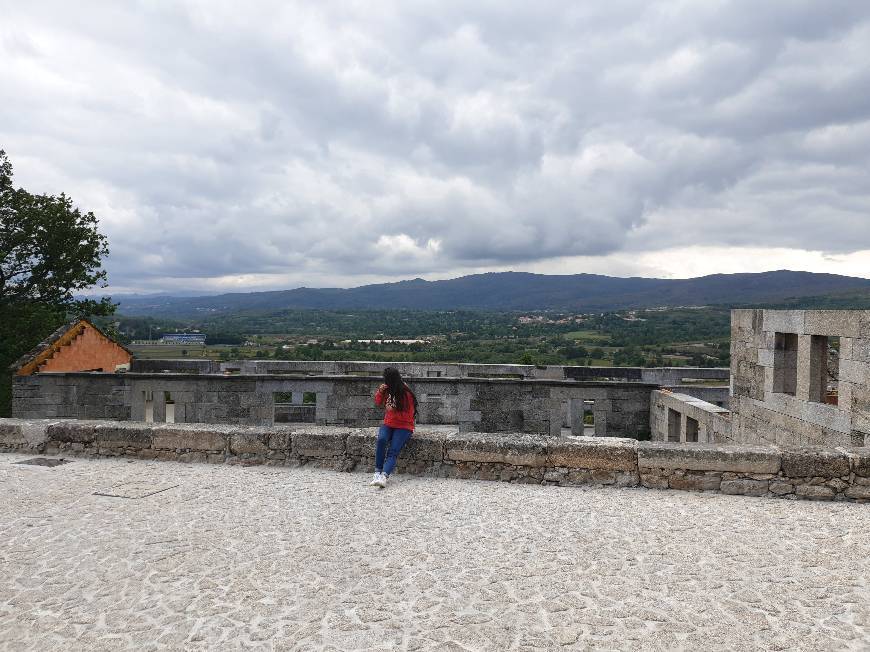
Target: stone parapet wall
472, 404
795, 473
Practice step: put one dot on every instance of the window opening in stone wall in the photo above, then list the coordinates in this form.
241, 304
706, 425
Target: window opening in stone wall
691, 429
433, 374
309, 398
169, 407
284, 409
588, 417
785, 363
148, 395
673, 425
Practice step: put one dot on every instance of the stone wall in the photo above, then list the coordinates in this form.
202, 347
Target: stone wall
472, 404
796, 473
779, 377
681, 418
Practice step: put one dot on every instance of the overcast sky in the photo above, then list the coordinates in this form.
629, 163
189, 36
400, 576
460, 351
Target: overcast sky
229, 145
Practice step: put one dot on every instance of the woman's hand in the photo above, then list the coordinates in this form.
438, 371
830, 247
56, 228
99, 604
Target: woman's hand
383, 387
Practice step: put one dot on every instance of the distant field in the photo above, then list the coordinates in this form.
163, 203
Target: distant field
586, 336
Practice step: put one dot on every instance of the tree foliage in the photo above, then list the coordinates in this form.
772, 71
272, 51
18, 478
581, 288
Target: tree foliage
49, 250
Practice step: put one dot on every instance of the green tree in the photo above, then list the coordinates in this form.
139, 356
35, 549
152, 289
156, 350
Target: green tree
49, 250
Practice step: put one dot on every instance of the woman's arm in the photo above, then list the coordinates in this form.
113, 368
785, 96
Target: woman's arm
381, 395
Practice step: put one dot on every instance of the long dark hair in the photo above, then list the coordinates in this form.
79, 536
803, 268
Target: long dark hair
396, 388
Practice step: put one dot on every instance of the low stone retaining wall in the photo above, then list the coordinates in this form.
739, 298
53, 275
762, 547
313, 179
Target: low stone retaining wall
805, 473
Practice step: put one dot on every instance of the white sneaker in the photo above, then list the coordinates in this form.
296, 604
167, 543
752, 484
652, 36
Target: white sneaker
382, 483
376, 479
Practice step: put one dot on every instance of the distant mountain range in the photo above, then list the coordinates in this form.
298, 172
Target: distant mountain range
515, 291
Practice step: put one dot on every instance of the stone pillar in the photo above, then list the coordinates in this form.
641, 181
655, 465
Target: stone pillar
576, 408
812, 374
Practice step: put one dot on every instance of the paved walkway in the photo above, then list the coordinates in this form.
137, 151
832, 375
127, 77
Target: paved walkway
297, 559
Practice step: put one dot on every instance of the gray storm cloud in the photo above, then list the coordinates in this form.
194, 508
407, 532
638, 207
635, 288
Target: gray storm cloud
398, 139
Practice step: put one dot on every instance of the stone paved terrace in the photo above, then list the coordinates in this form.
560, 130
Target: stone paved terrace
230, 558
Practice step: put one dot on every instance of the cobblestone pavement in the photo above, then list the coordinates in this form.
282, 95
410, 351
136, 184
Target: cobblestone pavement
300, 559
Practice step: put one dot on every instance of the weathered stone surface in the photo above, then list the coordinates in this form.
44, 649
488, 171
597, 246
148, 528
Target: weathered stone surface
590, 476
324, 441
815, 492
708, 457
860, 462
781, 488
653, 480
845, 323
425, 446
809, 462
858, 492
279, 440
72, 431
122, 434
361, 443
695, 482
517, 450
744, 487
197, 437
245, 442
605, 453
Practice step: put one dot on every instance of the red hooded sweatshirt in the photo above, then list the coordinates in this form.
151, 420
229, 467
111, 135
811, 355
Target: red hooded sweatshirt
394, 418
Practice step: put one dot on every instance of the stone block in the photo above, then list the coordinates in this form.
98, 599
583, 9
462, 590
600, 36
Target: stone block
765, 357
322, 442
855, 372
71, 432
781, 488
513, 449
843, 323
815, 492
708, 457
425, 446
361, 442
744, 487
590, 476
120, 434
858, 492
695, 481
784, 321
857, 349
747, 319
859, 462
279, 439
249, 442
653, 481
812, 462
11, 434
198, 437
612, 454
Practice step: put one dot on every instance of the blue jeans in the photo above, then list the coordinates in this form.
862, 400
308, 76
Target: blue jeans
395, 439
